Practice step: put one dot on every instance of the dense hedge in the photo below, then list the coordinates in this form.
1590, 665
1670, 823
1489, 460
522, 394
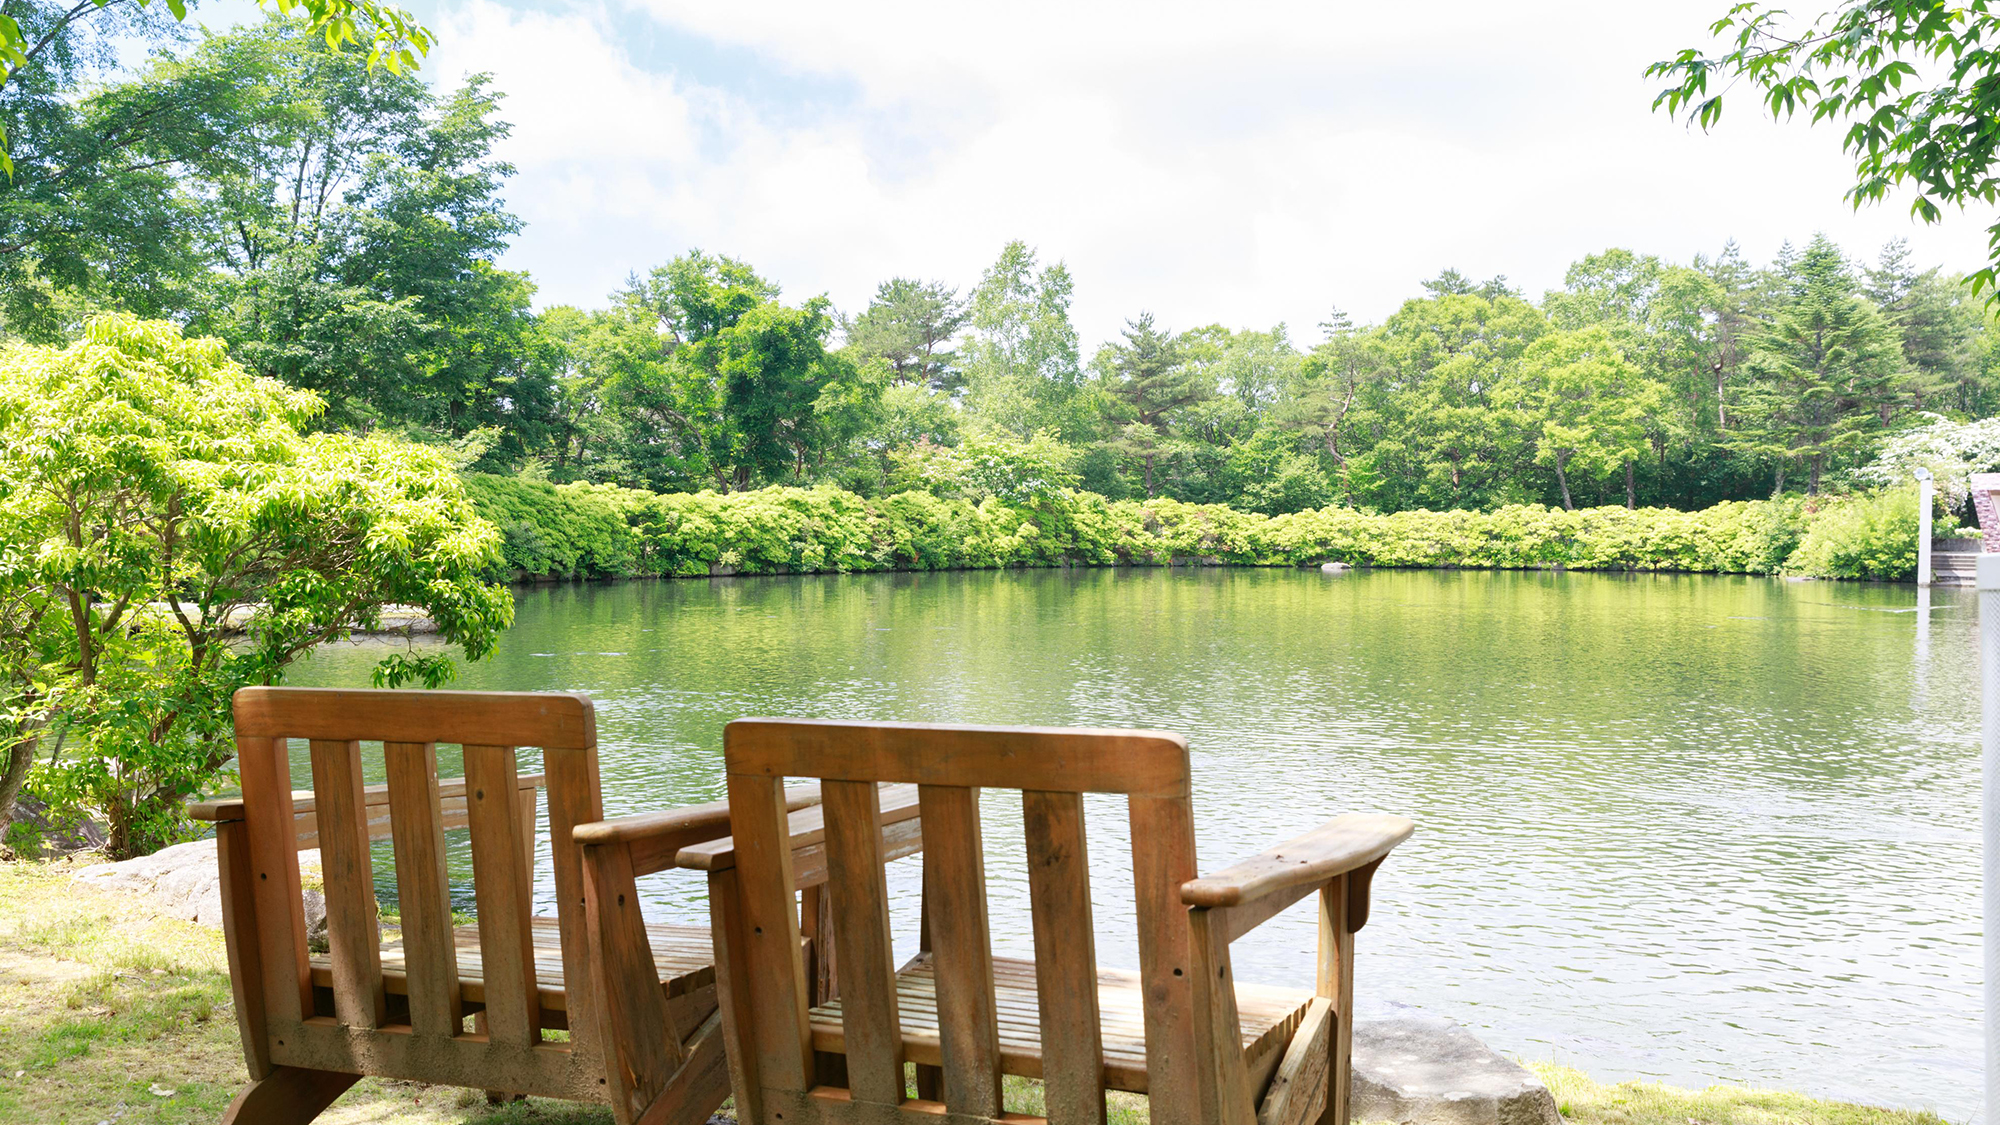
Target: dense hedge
588, 530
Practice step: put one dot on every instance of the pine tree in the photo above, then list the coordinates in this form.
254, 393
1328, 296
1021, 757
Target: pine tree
1823, 370
1148, 382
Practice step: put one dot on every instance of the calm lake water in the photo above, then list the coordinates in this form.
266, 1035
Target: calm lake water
1686, 828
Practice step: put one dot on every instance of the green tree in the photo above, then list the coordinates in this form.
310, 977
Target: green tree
1941, 328
1823, 372
746, 388
393, 37
356, 238
1585, 405
154, 495
1147, 380
1433, 433
1021, 360
89, 217
1859, 64
910, 327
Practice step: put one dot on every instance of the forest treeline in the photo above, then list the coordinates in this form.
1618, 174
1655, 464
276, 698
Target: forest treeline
339, 229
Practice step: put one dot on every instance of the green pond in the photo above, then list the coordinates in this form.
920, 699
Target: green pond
1688, 828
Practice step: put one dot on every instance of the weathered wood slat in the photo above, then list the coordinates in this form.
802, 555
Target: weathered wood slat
642, 1049
349, 876
1065, 950
682, 956
423, 889
573, 799
859, 890
1162, 859
767, 924
1336, 984
963, 954
1298, 1093
1334, 848
1215, 1002
1088, 761
806, 826
550, 720
304, 804
265, 766
1268, 1016
503, 890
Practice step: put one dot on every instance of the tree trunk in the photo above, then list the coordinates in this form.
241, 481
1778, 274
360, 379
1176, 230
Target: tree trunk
1778, 489
1631, 493
1562, 478
1149, 476
13, 773
1813, 464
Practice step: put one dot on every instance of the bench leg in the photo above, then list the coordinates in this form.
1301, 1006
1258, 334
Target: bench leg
289, 1095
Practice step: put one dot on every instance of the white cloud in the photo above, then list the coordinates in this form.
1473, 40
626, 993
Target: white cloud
1244, 163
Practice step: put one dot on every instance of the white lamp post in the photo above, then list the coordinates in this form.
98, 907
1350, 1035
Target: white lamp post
1925, 490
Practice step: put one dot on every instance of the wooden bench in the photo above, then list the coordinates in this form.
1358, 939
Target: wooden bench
399, 1008
1205, 1048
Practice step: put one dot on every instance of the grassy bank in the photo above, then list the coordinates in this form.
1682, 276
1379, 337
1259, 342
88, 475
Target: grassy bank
598, 531
109, 1012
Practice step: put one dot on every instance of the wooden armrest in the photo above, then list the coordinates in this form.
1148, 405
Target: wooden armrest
218, 811
808, 832
657, 837
1343, 844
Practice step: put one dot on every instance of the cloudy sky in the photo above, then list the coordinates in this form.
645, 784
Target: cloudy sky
1242, 163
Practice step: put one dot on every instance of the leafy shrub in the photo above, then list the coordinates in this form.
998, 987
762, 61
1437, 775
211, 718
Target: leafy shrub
1871, 536
596, 530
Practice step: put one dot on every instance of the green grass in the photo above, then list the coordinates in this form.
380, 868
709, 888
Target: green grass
103, 1003
1587, 1102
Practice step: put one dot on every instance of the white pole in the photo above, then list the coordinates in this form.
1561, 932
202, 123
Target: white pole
1989, 713
1925, 487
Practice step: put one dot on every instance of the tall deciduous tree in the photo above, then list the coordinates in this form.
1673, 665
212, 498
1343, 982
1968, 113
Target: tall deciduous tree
747, 388
1023, 373
1585, 405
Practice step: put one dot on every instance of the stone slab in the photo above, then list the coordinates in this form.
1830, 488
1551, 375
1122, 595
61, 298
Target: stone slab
1417, 1069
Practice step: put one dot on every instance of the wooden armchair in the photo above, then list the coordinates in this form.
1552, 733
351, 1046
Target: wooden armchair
314, 1024
1204, 1047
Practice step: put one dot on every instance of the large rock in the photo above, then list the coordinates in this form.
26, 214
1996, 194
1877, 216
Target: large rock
184, 882
46, 835
1417, 1069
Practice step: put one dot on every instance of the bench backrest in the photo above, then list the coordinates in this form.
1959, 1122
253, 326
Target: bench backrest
1051, 770
362, 1031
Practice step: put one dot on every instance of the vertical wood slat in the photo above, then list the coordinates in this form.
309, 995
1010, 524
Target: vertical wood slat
1226, 1095
503, 891
1162, 859
1336, 983
733, 971
642, 1047
240, 939
353, 942
858, 886
265, 768
968, 1020
930, 1079
1065, 957
524, 800
573, 799
416, 826
772, 1013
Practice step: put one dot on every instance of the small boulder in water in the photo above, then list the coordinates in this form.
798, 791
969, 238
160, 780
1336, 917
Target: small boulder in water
1334, 568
